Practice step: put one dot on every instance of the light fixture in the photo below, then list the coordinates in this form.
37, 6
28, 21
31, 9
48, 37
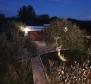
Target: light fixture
25, 30
65, 29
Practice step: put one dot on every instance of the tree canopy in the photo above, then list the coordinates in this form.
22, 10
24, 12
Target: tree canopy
63, 34
27, 13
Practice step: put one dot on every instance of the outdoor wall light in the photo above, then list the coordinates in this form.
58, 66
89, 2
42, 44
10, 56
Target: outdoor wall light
25, 30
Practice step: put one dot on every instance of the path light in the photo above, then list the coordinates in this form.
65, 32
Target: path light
25, 30
65, 29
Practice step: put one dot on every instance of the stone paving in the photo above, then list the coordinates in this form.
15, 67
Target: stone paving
39, 75
38, 72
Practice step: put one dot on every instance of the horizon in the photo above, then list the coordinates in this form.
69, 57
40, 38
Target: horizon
62, 8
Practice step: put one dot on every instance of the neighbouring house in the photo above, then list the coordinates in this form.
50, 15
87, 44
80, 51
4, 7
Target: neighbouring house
34, 32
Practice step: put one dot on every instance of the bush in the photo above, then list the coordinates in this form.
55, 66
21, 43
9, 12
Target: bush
19, 73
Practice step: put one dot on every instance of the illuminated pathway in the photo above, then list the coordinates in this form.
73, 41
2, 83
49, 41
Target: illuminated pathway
38, 72
39, 75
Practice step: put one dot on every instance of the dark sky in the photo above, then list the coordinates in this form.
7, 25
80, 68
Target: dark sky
79, 9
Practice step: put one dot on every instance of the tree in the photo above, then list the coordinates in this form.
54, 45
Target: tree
54, 18
26, 13
12, 43
44, 19
2, 19
64, 34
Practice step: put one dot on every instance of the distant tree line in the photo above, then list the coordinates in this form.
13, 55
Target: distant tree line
28, 15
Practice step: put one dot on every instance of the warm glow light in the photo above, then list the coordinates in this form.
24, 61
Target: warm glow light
25, 29
65, 29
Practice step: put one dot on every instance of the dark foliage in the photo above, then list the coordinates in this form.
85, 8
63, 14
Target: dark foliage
27, 14
84, 25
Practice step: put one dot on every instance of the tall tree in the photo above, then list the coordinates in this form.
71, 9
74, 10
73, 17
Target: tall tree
27, 13
44, 19
64, 34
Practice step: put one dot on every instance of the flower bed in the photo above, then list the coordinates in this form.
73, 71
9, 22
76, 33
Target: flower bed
66, 73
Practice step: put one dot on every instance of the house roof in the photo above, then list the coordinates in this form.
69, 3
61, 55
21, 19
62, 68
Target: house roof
36, 28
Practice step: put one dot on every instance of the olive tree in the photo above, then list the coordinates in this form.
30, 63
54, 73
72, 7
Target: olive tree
63, 34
